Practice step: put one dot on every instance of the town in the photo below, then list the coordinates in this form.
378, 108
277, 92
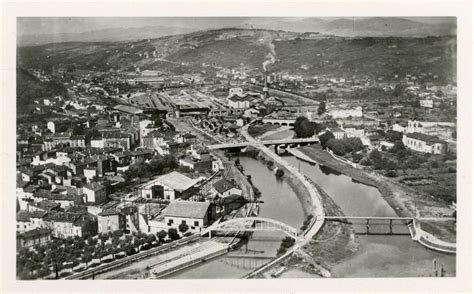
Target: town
115, 165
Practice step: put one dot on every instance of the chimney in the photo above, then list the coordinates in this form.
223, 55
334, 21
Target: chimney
265, 87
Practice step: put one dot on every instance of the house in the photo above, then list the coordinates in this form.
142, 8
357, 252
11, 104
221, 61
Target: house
77, 141
110, 220
196, 215
425, 143
38, 236
23, 221
204, 164
224, 188
170, 187
130, 213
95, 193
125, 219
66, 224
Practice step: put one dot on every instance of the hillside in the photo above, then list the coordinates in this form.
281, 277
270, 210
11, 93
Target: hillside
29, 88
373, 56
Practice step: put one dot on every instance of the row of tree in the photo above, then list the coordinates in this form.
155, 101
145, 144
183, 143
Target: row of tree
40, 260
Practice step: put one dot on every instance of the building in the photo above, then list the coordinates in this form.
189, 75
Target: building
238, 102
345, 113
196, 215
65, 224
204, 164
354, 131
114, 219
168, 187
425, 143
95, 193
338, 133
38, 236
116, 140
110, 220
224, 188
427, 103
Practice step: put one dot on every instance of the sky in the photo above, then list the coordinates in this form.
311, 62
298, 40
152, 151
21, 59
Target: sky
48, 25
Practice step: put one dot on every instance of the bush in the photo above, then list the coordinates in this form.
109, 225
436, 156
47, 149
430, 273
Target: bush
451, 169
279, 173
356, 157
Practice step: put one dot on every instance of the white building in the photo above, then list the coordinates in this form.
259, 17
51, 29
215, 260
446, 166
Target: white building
345, 113
424, 143
167, 187
196, 215
427, 103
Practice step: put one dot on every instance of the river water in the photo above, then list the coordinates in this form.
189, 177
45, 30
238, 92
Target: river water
378, 256
280, 203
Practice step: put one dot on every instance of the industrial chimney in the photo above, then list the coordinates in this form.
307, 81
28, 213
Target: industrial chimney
265, 87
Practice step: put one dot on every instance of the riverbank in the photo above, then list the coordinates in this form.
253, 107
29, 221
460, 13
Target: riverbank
334, 242
403, 200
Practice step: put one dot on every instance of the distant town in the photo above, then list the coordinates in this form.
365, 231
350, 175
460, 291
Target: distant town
149, 171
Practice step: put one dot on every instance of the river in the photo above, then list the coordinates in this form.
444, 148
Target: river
280, 203
378, 256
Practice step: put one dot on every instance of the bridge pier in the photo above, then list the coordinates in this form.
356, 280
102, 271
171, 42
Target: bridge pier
368, 226
391, 226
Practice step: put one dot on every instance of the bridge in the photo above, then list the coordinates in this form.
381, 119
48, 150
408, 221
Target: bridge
375, 221
252, 224
287, 142
279, 121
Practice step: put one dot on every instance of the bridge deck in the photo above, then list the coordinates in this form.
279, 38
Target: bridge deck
371, 217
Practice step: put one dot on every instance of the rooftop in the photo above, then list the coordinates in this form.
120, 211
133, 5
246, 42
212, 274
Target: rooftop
187, 209
128, 109
175, 181
425, 138
94, 186
223, 185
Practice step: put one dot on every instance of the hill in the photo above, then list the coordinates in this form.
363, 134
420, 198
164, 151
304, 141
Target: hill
30, 88
295, 53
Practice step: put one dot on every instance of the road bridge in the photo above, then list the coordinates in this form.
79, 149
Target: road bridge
287, 142
252, 224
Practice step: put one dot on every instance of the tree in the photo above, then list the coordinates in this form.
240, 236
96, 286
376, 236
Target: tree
322, 108
397, 146
324, 138
375, 156
336, 146
161, 235
183, 227
352, 144
173, 234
